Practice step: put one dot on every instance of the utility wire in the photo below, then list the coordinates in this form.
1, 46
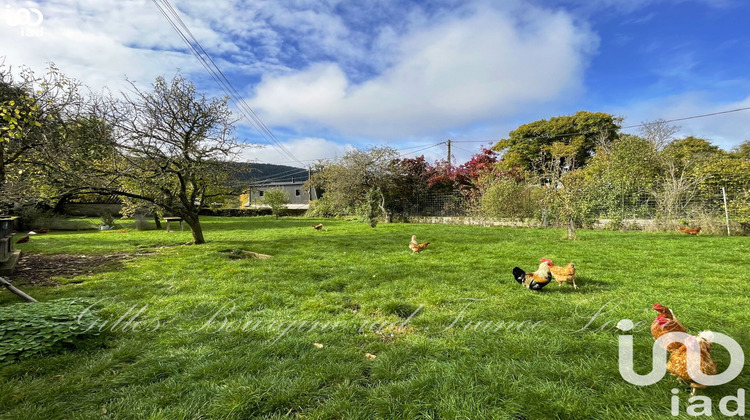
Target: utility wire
692, 117
281, 175
213, 69
419, 150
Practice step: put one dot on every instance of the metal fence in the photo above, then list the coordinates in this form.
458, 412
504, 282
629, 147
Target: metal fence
701, 209
440, 205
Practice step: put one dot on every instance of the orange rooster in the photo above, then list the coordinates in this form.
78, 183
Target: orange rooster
664, 323
536, 280
415, 246
318, 227
23, 240
562, 275
691, 231
677, 364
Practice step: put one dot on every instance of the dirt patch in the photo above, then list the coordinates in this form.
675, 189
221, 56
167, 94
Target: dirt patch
241, 254
39, 270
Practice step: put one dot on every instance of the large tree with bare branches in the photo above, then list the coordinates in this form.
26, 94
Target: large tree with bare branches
171, 147
167, 147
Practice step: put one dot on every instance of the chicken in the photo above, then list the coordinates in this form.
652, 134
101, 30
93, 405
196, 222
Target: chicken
415, 246
677, 364
42, 230
691, 231
664, 323
562, 275
23, 240
536, 280
318, 227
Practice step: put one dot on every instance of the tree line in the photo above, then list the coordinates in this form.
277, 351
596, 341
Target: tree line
566, 171
168, 149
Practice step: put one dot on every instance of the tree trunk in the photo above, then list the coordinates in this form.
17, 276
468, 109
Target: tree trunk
195, 227
61, 203
571, 229
157, 221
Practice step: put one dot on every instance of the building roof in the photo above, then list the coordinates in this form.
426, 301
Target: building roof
289, 206
279, 184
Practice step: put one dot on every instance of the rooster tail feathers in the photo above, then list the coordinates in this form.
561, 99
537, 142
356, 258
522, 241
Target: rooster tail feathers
519, 275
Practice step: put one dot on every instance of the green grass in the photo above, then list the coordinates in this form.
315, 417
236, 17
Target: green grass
173, 363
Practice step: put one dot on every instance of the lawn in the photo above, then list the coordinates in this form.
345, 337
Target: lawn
349, 324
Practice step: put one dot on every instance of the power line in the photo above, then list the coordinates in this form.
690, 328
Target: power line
462, 149
418, 146
417, 151
213, 69
691, 117
281, 175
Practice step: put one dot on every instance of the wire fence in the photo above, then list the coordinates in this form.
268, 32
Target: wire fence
634, 210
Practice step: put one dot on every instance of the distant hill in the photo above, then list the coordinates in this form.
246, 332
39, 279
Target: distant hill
266, 172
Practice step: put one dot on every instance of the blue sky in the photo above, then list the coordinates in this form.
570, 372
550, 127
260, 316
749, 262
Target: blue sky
328, 75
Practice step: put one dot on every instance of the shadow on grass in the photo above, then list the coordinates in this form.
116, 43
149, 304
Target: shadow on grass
585, 285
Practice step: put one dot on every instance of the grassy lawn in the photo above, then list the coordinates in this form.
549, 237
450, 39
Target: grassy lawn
217, 337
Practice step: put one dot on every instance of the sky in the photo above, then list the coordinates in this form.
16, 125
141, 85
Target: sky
326, 76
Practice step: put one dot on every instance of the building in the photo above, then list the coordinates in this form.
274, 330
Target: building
299, 196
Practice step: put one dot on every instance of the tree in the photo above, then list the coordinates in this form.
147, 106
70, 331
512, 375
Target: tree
624, 172
530, 145
689, 150
357, 183
276, 199
35, 112
168, 147
572, 201
410, 184
658, 132
743, 150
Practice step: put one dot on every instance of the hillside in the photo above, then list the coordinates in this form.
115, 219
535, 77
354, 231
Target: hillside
245, 172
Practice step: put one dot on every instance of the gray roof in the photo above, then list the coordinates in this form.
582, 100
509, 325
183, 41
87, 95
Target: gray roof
278, 184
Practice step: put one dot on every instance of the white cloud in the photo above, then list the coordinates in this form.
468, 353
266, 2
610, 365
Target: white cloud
309, 148
459, 71
724, 130
98, 42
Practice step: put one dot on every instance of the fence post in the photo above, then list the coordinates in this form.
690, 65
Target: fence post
726, 211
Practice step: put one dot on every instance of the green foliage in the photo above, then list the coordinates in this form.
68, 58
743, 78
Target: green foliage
731, 172
743, 150
573, 201
29, 329
369, 209
689, 149
107, 219
573, 136
276, 199
622, 174
508, 197
357, 183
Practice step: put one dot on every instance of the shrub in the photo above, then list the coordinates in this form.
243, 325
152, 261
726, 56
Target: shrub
506, 197
276, 199
28, 329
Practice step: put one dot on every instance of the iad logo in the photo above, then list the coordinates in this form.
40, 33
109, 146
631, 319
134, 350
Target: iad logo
28, 19
693, 355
